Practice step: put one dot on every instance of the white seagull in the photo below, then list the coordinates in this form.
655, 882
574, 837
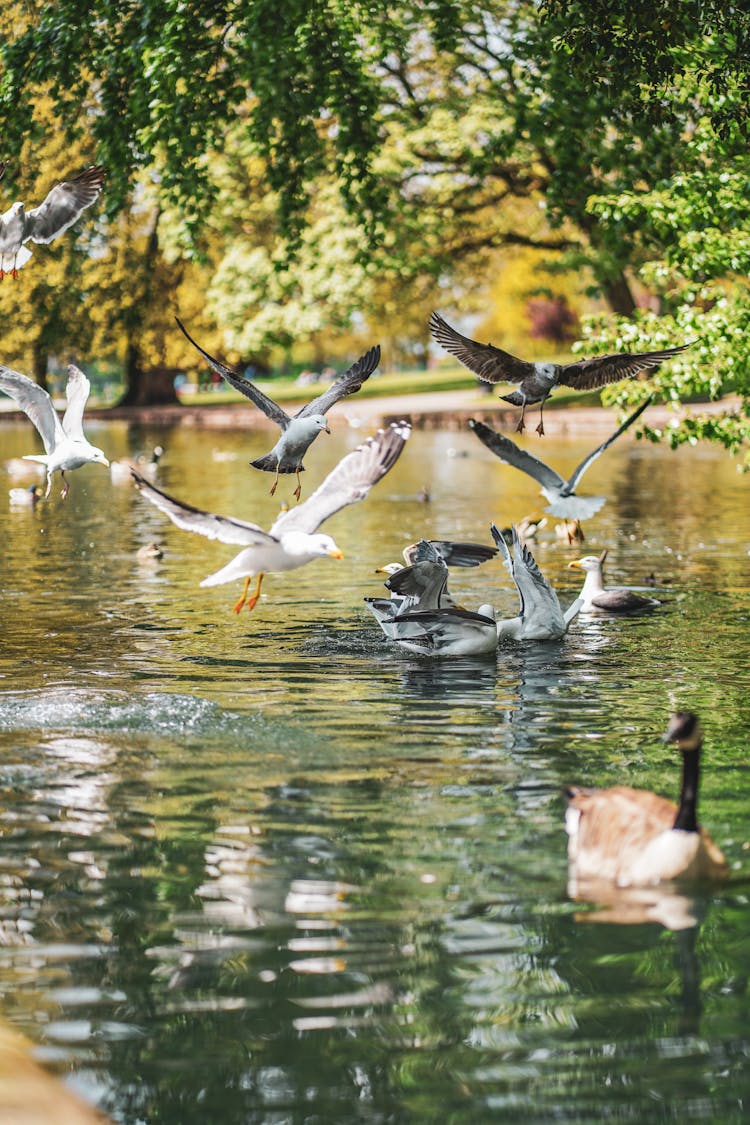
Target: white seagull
540, 617
63, 206
421, 615
291, 542
594, 596
564, 502
536, 380
65, 446
299, 431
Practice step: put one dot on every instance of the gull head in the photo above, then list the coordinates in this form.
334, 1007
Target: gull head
301, 546
589, 563
389, 568
318, 422
487, 611
97, 456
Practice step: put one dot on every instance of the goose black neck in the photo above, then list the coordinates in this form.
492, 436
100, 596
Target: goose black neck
686, 818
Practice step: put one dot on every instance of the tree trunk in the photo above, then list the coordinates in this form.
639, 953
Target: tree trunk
153, 387
40, 361
618, 295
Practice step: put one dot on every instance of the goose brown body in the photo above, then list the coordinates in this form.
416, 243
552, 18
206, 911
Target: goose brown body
635, 837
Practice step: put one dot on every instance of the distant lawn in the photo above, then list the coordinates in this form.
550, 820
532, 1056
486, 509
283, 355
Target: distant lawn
379, 386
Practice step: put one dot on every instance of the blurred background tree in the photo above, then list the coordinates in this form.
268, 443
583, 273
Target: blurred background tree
300, 181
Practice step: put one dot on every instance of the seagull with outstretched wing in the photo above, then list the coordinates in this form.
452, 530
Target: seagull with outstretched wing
300, 430
564, 502
537, 380
64, 204
65, 446
292, 540
540, 616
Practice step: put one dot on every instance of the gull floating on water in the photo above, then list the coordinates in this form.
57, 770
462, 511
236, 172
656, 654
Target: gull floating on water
540, 616
564, 502
63, 206
64, 442
298, 432
421, 615
536, 380
291, 542
595, 596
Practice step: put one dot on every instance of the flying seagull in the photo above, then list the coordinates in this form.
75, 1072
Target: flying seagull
64, 204
564, 502
594, 595
540, 616
299, 431
291, 541
65, 446
536, 380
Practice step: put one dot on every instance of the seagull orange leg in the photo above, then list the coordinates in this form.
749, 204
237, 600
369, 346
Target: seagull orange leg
238, 605
66, 486
540, 427
252, 601
521, 423
276, 479
298, 490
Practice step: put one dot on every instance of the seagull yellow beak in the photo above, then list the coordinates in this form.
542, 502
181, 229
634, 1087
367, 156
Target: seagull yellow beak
575, 564
105, 462
335, 553
328, 429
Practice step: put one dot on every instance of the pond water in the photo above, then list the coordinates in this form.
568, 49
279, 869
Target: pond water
267, 869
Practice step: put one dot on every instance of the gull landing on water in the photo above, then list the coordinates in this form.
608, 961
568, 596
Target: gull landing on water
298, 432
537, 380
62, 207
292, 540
65, 446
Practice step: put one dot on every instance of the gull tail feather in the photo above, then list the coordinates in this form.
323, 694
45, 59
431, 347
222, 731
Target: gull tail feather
269, 464
575, 507
41, 458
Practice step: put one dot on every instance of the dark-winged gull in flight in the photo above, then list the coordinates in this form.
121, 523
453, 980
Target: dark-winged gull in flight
292, 540
65, 446
594, 595
300, 430
540, 616
564, 501
536, 380
65, 203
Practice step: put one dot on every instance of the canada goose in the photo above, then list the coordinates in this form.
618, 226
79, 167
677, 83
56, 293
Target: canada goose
594, 595
540, 616
298, 432
65, 203
633, 837
564, 500
65, 446
536, 380
291, 541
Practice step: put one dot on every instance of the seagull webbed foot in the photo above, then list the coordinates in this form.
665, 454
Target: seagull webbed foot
521, 426
540, 428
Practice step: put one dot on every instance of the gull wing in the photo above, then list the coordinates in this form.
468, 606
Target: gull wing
77, 393
512, 454
587, 374
64, 204
270, 408
540, 602
223, 528
36, 403
424, 581
345, 385
452, 553
581, 469
508, 561
348, 482
486, 361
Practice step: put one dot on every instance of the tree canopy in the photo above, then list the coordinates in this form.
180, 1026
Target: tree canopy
307, 162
